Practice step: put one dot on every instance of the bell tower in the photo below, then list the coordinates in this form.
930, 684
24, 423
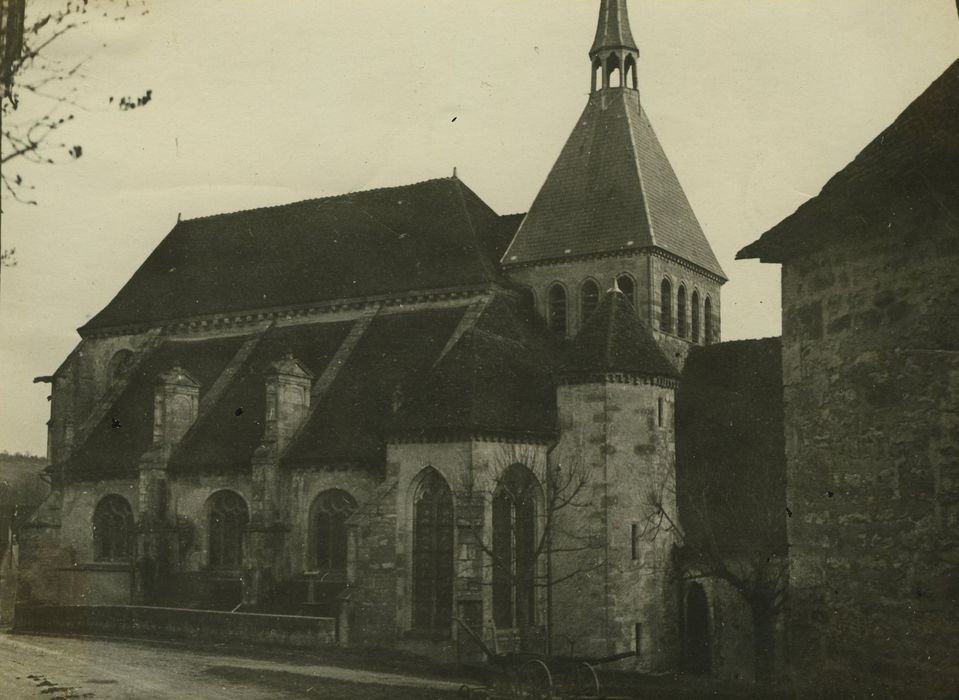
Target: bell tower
612, 213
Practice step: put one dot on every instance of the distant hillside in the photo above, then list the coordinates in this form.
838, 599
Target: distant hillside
20, 482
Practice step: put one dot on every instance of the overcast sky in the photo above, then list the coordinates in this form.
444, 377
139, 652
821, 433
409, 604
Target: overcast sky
756, 103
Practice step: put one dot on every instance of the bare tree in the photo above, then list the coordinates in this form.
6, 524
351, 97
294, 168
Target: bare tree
731, 539
536, 501
40, 94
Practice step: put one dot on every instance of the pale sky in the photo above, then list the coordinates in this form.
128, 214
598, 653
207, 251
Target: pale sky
757, 103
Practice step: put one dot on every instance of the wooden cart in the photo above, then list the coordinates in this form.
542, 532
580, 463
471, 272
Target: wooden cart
530, 676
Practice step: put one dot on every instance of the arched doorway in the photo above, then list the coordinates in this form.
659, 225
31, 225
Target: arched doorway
697, 630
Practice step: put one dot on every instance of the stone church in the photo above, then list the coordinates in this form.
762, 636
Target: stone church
404, 411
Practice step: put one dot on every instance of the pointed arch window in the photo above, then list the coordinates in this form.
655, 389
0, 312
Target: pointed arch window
328, 530
597, 75
666, 306
228, 517
556, 313
614, 77
588, 299
120, 364
514, 549
112, 529
695, 316
432, 554
681, 329
627, 285
630, 73
708, 320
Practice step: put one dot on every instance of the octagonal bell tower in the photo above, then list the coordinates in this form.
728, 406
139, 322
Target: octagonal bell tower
612, 212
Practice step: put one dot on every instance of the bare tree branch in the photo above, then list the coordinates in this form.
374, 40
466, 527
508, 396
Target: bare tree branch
27, 70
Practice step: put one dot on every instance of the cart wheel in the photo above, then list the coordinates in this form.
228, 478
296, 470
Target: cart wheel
585, 681
535, 681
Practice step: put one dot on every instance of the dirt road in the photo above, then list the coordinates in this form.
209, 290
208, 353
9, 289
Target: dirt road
53, 668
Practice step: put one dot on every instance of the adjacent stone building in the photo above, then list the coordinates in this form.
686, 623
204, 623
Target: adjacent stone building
402, 410
871, 384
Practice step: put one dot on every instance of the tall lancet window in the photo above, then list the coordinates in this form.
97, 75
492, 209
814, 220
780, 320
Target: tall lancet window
588, 299
708, 320
514, 547
627, 286
681, 311
695, 317
597, 75
556, 311
666, 306
630, 73
112, 529
432, 553
614, 72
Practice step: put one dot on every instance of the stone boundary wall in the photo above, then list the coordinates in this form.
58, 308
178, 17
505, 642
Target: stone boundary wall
165, 623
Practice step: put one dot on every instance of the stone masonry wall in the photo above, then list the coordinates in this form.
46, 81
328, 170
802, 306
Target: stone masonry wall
640, 461
613, 432
82, 380
675, 346
648, 272
372, 605
300, 489
188, 500
572, 274
871, 374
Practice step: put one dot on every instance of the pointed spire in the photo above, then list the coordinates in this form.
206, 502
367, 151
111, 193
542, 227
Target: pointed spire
614, 54
613, 31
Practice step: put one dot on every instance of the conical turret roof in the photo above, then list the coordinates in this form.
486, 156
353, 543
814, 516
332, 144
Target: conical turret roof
615, 341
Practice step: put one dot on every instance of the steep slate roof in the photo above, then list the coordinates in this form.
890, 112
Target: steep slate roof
615, 341
392, 357
613, 31
612, 188
118, 449
909, 172
227, 434
496, 378
730, 447
431, 235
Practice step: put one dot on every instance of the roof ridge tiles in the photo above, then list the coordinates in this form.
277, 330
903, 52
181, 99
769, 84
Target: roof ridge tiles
328, 198
433, 235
